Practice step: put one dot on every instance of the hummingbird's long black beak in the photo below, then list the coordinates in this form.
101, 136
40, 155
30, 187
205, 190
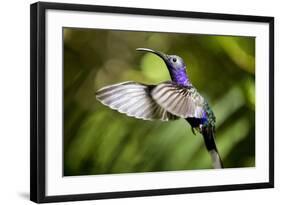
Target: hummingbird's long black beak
158, 53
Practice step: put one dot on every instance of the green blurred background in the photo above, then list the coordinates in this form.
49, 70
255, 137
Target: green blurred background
98, 140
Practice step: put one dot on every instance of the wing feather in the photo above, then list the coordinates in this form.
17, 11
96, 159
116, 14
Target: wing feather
181, 101
133, 99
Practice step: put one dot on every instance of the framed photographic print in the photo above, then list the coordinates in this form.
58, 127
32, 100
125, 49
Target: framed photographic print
129, 102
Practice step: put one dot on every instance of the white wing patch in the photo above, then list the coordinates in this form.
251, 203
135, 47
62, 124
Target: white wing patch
133, 99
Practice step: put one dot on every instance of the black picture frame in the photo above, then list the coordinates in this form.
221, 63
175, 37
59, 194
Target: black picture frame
38, 100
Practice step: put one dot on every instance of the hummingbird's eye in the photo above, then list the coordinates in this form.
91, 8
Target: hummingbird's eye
174, 60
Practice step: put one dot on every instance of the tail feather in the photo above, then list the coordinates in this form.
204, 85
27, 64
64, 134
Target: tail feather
217, 163
209, 139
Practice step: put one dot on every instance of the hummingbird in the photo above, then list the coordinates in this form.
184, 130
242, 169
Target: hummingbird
169, 100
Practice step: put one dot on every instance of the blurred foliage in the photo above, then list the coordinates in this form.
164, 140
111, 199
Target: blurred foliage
98, 140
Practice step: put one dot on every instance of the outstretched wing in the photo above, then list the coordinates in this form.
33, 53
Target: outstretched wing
133, 99
181, 101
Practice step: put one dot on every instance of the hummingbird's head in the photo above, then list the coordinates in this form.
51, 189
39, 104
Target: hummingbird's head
175, 62
175, 65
